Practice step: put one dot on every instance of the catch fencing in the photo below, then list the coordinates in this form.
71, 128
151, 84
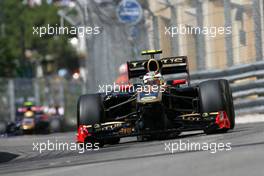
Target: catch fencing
48, 92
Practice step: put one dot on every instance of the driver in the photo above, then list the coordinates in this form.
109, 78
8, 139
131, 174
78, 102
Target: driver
153, 78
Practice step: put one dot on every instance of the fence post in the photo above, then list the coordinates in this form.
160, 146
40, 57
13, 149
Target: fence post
228, 38
257, 29
61, 94
83, 87
36, 91
11, 94
200, 41
156, 32
174, 40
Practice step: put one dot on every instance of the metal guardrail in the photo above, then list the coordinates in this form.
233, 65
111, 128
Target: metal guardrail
247, 84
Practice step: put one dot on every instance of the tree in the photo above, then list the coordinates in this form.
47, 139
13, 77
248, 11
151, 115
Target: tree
16, 37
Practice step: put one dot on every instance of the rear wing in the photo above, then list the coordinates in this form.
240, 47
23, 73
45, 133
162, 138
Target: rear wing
172, 65
169, 65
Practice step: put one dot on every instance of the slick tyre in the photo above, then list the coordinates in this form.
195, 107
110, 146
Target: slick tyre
216, 95
113, 141
89, 109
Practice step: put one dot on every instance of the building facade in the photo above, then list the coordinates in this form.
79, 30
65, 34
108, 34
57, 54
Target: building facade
212, 33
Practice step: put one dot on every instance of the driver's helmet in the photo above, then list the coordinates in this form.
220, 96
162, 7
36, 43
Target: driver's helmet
153, 78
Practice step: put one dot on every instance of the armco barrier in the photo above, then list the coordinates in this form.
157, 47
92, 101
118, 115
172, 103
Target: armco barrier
247, 84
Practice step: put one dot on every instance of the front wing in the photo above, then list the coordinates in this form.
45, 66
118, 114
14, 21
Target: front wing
119, 129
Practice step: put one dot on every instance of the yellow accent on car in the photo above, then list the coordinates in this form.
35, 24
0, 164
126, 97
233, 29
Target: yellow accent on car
148, 52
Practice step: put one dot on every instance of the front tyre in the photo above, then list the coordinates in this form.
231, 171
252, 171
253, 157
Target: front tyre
89, 109
215, 96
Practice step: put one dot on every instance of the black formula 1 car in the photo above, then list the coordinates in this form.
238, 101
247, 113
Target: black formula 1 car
155, 108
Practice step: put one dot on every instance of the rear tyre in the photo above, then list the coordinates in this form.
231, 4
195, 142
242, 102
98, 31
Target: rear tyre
215, 95
113, 141
2, 127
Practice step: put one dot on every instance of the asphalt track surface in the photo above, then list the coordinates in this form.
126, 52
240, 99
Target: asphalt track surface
246, 157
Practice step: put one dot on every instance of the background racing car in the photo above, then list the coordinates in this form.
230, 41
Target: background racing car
155, 108
32, 119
